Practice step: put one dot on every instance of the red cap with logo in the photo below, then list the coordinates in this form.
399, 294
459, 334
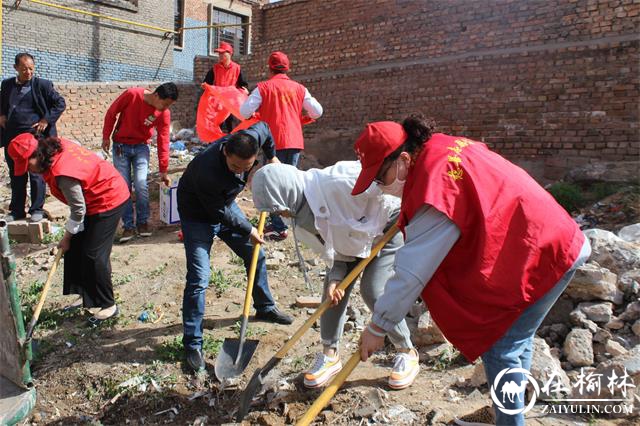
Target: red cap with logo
20, 149
374, 144
224, 47
278, 61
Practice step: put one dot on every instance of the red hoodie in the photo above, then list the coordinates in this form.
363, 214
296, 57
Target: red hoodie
136, 122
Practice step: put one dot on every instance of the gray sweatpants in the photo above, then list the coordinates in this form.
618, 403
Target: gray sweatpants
372, 284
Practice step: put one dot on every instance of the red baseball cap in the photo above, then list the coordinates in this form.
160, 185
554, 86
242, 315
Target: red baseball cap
224, 47
374, 144
278, 61
20, 149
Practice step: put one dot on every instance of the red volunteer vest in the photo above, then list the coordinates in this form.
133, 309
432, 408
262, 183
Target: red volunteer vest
515, 244
225, 76
281, 109
103, 187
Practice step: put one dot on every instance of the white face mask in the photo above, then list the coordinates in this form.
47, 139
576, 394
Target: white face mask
396, 187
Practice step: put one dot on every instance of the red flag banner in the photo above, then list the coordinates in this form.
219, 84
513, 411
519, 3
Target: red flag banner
216, 104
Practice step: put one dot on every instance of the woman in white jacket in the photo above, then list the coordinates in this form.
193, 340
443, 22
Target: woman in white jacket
342, 229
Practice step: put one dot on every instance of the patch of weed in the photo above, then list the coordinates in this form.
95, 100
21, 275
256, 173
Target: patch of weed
446, 359
236, 260
121, 279
221, 282
158, 271
173, 350
53, 237
568, 196
298, 362
602, 190
251, 331
49, 319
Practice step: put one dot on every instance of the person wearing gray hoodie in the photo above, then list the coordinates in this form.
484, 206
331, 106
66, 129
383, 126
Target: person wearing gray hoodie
342, 229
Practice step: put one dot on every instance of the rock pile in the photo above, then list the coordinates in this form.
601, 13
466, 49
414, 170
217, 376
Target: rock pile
593, 331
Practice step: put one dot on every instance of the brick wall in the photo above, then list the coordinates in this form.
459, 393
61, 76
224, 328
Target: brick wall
74, 47
197, 42
550, 84
88, 102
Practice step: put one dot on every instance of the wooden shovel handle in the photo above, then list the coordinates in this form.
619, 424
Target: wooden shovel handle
346, 282
331, 390
252, 269
43, 296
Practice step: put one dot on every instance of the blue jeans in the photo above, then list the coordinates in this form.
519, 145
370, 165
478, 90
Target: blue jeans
515, 348
128, 158
198, 238
286, 156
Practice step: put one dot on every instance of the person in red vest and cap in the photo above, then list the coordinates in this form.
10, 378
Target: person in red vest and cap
281, 102
487, 248
226, 73
96, 195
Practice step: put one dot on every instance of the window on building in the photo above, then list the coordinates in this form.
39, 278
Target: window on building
236, 35
131, 5
178, 22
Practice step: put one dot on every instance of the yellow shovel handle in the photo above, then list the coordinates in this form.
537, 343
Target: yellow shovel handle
346, 282
43, 295
331, 390
252, 269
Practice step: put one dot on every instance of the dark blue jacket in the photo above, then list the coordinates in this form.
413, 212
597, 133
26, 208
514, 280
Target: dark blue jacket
207, 188
48, 103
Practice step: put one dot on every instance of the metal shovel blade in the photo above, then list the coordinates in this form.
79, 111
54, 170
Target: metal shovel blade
254, 387
226, 366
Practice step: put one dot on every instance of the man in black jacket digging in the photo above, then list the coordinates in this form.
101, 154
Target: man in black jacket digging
207, 207
27, 104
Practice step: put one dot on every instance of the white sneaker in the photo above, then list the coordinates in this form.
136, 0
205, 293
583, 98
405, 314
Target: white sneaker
406, 367
323, 369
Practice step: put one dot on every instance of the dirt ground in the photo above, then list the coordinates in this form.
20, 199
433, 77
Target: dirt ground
131, 372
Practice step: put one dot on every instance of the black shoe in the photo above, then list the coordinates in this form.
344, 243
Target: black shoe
274, 316
195, 360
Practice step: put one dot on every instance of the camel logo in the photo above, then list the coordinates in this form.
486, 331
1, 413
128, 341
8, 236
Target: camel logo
512, 391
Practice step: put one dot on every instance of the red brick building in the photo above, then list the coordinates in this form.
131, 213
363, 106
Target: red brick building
551, 84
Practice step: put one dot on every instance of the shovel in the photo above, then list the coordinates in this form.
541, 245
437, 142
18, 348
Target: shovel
258, 378
236, 353
331, 390
43, 296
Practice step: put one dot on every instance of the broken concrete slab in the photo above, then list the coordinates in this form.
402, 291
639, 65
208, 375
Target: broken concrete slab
592, 282
578, 347
597, 312
544, 366
308, 301
612, 252
29, 232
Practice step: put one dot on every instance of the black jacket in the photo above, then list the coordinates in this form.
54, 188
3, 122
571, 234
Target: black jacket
207, 188
47, 101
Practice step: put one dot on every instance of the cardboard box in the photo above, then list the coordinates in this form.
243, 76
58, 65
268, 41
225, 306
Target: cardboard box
169, 203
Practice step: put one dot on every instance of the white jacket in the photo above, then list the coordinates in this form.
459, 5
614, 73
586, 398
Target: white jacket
347, 224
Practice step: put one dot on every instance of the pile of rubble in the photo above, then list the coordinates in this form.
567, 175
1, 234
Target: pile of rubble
185, 144
589, 344
612, 212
